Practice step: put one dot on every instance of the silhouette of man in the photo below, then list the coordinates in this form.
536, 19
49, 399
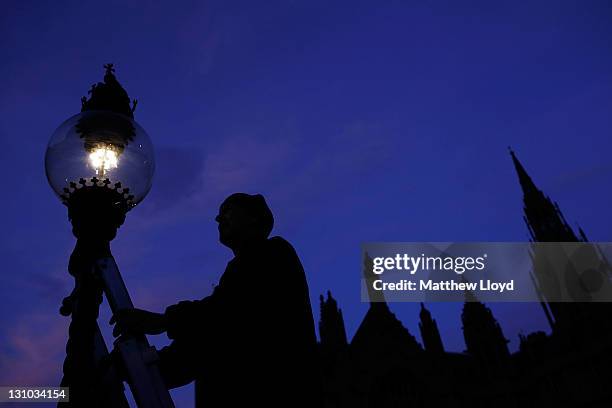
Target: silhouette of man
252, 341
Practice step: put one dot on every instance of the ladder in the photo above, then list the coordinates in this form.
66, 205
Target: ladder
139, 358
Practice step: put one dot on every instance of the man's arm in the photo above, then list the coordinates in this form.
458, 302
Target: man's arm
178, 320
177, 364
189, 317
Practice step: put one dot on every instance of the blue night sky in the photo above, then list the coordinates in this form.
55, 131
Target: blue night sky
359, 121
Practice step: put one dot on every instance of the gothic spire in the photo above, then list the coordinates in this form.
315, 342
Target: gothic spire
483, 335
544, 219
525, 180
432, 341
331, 324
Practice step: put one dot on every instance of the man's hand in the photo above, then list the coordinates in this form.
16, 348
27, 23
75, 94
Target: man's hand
137, 321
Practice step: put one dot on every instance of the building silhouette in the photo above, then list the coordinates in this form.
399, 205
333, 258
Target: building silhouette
384, 365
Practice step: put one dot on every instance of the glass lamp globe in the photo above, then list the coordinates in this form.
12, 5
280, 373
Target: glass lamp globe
101, 149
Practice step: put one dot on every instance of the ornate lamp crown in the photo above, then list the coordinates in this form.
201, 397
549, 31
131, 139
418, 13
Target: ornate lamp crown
109, 96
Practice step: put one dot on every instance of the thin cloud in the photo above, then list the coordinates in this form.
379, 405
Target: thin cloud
34, 340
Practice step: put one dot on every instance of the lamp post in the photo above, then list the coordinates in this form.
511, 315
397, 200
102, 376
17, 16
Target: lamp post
100, 163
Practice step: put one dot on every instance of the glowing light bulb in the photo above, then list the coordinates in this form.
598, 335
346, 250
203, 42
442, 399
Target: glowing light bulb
104, 145
103, 159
